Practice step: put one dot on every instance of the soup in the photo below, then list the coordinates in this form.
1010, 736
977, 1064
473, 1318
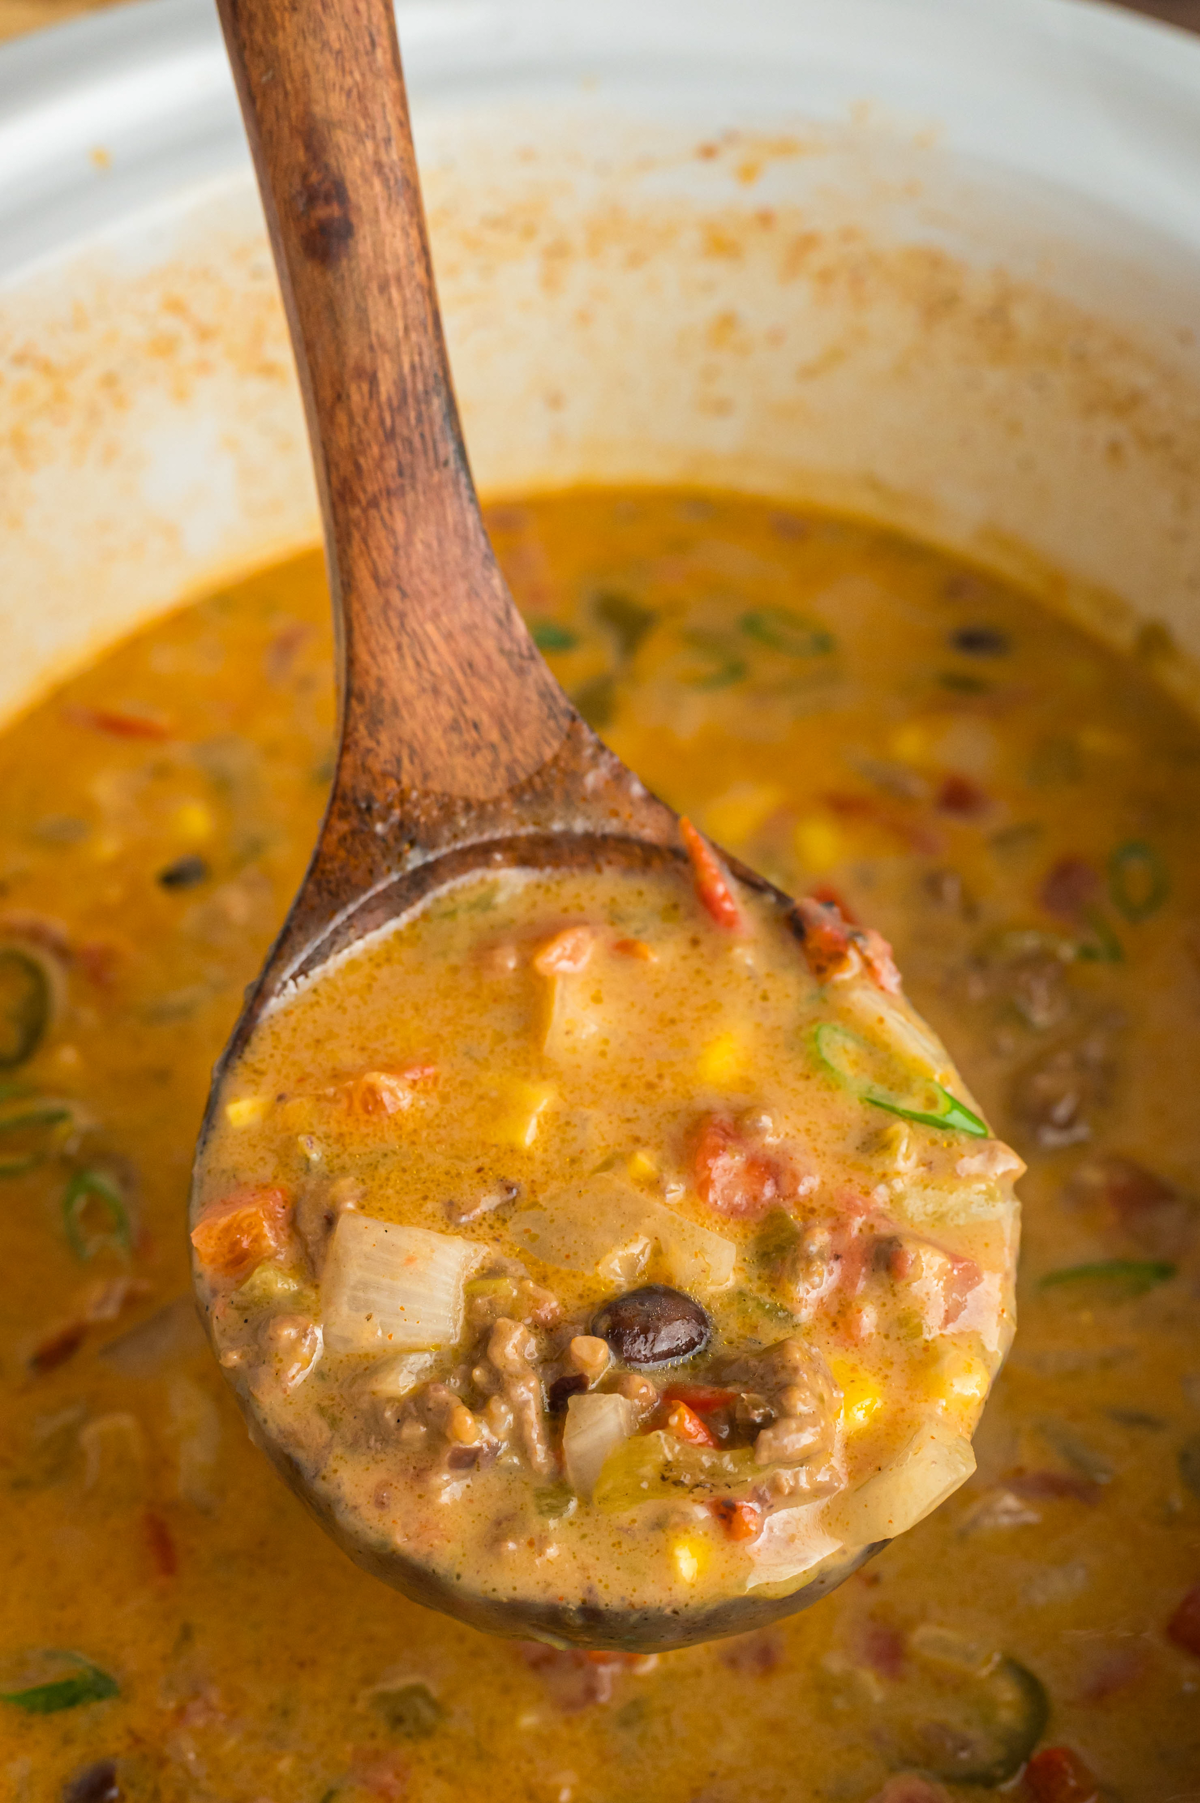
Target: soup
1011, 805
615, 1242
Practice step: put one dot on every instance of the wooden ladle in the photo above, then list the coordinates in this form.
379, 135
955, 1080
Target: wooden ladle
458, 750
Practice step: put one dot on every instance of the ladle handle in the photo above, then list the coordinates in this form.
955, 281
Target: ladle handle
443, 693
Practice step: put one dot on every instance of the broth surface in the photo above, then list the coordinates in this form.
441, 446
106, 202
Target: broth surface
1012, 806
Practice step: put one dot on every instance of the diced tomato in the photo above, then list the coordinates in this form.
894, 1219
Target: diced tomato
58, 1347
700, 1397
1058, 1775
161, 1544
120, 726
741, 1520
713, 884
829, 897
565, 954
959, 796
636, 948
1184, 1626
238, 1232
730, 1173
387, 1092
1069, 887
685, 1424
833, 948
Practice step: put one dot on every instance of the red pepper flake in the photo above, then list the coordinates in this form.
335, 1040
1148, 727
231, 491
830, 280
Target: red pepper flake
1058, 1775
1184, 1626
160, 1543
741, 1520
636, 948
58, 1347
959, 796
685, 1424
119, 725
1069, 887
386, 1092
829, 897
713, 884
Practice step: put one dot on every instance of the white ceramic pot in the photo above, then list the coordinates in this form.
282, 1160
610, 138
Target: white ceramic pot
935, 259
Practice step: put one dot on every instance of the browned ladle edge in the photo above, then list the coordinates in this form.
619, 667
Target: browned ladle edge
458, 750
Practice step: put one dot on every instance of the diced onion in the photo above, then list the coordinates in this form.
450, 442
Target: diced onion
387, 1288
607, 1226
399, 1375
596, 1424
792, 1541
926, 1471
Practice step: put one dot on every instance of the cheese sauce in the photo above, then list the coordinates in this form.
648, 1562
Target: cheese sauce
1012, 806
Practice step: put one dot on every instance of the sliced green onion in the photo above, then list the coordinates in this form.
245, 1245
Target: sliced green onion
782, 630
1137, 880
87, 1685
548, 635
626, 619
1108, 1280
87, 1187
1103, 947
24, 1006
836, 1045
728, 665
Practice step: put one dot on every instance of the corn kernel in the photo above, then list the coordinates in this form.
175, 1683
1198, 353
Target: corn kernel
957, 1379
245, 1111
722, 1060
862, 1395
910, 742
642, 1166
819, 843
194, 822
737, 815
517, 1123
691, 1555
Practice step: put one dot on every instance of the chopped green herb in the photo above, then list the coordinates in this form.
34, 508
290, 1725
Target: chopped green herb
548, 635
1137, 880
88, 1188
597, 701
24, 1006
88, 1684
410, 1709
782, 630
877, 1077
1108, 1280
626, 619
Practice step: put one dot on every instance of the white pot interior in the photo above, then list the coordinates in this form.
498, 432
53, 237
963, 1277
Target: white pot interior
935, 260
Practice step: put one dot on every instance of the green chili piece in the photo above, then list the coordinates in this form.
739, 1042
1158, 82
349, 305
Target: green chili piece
88, 1685
1137, 880
728, 665
24, 1006
833, 1042
782, 630
548, 635
94, 1186
1108, 1280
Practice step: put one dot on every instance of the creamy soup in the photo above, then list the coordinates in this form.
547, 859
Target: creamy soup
864, 720
621, 1242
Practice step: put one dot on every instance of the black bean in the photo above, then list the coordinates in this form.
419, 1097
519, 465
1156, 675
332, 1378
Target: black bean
981, 641
94, 1784
571, 1383
653, 1326
184, 873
